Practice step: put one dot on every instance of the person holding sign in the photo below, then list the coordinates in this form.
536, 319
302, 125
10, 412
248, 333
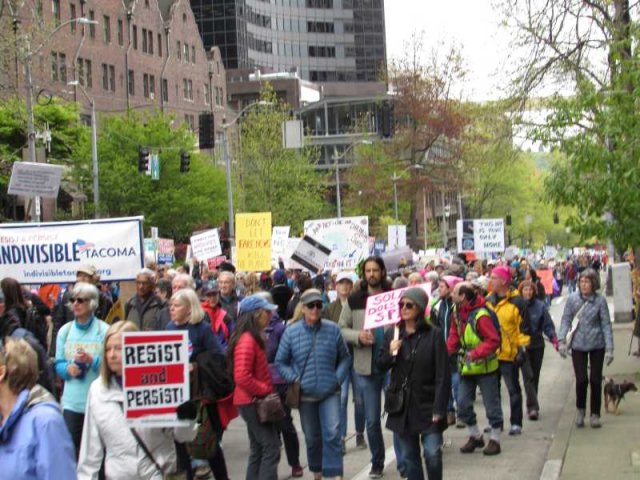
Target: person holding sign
419, 366
140, 453
366, 347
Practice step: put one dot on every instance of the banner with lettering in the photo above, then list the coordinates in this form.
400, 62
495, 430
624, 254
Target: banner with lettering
253, 242
346, 237
382, 309
51, 252
155, 379
481, 235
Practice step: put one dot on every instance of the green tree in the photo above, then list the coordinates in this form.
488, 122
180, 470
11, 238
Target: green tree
177, 203
272, 178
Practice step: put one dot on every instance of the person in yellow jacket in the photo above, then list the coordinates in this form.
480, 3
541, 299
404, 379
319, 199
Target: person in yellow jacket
509, 307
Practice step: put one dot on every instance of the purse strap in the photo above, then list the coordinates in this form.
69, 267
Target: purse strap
144, 447
412, 358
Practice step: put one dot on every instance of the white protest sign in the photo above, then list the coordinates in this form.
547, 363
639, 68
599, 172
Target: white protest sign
52, 252
206, 245
481, 235
396, 236
35, 179
311, 254
292, 244
155, 379
346, 237
382, 309
279, 238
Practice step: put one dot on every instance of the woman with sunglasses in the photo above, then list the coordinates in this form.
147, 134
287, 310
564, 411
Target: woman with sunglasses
419, 366
313, 352
78, 356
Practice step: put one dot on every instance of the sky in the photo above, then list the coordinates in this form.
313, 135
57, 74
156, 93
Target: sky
471, 24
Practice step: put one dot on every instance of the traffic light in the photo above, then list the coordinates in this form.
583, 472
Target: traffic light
508, 219
205, 131
556, 219
185, 159
143, 159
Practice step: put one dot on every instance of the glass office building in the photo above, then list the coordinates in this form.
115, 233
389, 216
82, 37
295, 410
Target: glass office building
324, 40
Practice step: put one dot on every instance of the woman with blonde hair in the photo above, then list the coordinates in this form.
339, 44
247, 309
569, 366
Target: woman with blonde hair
106, 434
34, 440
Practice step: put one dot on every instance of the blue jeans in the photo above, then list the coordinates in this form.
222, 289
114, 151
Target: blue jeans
397, 448
371, 388
432, 448
490, 387
358, 405
321, 426
453, 399
511, 375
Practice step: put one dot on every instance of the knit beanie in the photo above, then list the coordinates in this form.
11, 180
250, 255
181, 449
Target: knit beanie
417, 296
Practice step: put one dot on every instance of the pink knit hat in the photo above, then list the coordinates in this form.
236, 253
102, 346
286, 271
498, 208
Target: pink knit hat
451, 280
503, 272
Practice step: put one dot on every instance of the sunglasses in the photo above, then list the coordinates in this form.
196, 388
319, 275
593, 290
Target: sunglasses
407, 305
78, 300
312, 305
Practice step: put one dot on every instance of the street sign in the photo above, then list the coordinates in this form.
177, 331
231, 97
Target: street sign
35, 179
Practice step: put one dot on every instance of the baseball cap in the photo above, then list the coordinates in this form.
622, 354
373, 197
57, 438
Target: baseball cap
255, 302
311, 295
87, 269
344, 276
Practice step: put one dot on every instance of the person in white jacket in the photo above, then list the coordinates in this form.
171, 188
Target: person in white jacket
106, 434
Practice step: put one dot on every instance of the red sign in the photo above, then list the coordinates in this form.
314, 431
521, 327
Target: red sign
155, 377
215, 262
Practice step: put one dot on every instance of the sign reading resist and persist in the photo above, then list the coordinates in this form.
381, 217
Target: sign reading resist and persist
206, 245
155, 377
481, 235
52, 252
382, 309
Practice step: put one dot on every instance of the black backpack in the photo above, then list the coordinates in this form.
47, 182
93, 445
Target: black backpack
37, 325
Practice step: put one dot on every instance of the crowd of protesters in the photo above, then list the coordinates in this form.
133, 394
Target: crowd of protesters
462, 326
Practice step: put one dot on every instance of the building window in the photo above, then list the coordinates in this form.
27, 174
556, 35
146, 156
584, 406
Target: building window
72, 14
206, 95
150, 44
105, 76
190, 120
187, 87
178, 50
152, 86
322, 51
145, 85
55, 7
112, 78
92, 27
186, 52
165, 90
159, 44
144, 40
131, 83
193, 54
320, 27
120, 32
54, 66
319, 3
135, 37
87, 73
58, 67
83, 67
106, 28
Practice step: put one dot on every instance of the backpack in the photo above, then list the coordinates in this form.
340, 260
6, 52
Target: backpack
494, 318
37, 325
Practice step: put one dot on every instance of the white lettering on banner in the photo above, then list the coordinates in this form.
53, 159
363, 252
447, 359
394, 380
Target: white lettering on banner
382, 309
52, 252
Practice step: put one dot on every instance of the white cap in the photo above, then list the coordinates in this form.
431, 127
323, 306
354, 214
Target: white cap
344, 276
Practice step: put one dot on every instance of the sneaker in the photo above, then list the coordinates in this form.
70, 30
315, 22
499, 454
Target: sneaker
472, 444
376, 472
493, 448
515, 430
360, 443
203, 472
580, 418
534, 415
460, 424
297, 471
595, 421
451, 418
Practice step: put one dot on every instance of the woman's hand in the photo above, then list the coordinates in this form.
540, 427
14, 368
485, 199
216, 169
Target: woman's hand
73, 370
394, 346
84, 357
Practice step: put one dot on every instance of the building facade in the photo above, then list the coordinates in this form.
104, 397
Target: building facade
324, 40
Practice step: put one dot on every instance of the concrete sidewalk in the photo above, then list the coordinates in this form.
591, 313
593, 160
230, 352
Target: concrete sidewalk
613, 451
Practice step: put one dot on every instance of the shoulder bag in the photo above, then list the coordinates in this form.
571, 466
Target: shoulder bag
395, 397
292, 398
574, 325
269, 408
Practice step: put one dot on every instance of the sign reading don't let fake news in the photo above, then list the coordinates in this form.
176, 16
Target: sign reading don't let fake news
52, 252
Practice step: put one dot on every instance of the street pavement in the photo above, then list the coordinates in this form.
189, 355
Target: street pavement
545, 448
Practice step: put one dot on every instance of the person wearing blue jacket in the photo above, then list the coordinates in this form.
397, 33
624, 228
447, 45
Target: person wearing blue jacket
78, 356
34, 441
312, 352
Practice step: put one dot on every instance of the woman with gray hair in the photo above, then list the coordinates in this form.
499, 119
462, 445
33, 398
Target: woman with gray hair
78, 356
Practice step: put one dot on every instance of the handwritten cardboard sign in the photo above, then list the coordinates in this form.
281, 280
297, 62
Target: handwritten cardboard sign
253, 241
481, 235
206, 245
347, 238
382, 309
155, 377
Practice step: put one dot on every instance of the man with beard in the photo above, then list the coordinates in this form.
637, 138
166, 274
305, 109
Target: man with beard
366, 347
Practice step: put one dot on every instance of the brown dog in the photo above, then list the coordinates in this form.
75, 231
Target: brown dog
614, 392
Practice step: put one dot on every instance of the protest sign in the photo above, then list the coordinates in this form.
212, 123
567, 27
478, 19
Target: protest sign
481, 235
292, 244
546, 278
155, 377
396, 259
347, 238
215, 262
311, 254
206, 245
52, 252
279, 239
396, 236
35, 179
253, 241
382, 309
166, 249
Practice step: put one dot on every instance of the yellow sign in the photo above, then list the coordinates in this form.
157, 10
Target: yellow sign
253, 242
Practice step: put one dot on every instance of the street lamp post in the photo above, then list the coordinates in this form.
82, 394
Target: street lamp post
227, 162
336, 161
31, 131
394, 179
